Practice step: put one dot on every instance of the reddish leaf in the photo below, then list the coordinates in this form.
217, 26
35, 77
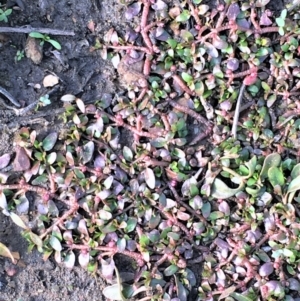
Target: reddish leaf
4, 160
250, 79
21, 162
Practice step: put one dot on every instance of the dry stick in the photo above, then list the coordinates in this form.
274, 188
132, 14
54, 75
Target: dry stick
136, 256
182, 85
120, 122
188, 111
237, 111
9, 97
73, 209
29, 29
25, 187
194, 13
178, 200
144, 27
129, 47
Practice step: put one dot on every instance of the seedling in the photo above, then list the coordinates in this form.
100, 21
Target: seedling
19, 55
4, 14
45, 38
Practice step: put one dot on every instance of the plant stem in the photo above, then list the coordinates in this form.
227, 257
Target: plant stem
237, 111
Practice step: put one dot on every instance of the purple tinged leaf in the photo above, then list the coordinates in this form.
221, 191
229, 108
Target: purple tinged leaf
181, 291
69, 260
133, 10
243, 23
222, 244
266, 269
4, 160
265, 20
211, 50
261, 3
159, 5
233, 11
99, 162
233, 64
121, 244
82, 227
49, 141
161, 34
224, 207
68, 237
84, 259
294, 284
196, 203
220, 43
226, 105
23, 205
107, 269
131, 245
154, 221
42, 208
183, 216
188, 254
21, 162
87, 152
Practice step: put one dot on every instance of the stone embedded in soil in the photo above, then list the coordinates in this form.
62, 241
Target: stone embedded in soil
34, 50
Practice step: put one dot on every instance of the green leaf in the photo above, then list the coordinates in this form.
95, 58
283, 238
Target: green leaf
149, 178
171, 270
227, 292
127, 153
280, 22
87, 152
4, 251
49, 141
51, 158
221, 191
276, 176
35, 239
251, 166
184, 16
294, 185
215, 215
17, 220
131, 224
172, 43
8, 12
36, 35
240, 297
55, 243
296, 171
42, 179
55, 44
272, 160
186, 77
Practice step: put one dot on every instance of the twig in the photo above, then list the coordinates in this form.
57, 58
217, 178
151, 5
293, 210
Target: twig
29, 29
182, 85
120, 122
9, 96
237, 111
188, 111
136, 256
178, 200
73, 209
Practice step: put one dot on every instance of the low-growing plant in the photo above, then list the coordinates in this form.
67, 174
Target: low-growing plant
45, 38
